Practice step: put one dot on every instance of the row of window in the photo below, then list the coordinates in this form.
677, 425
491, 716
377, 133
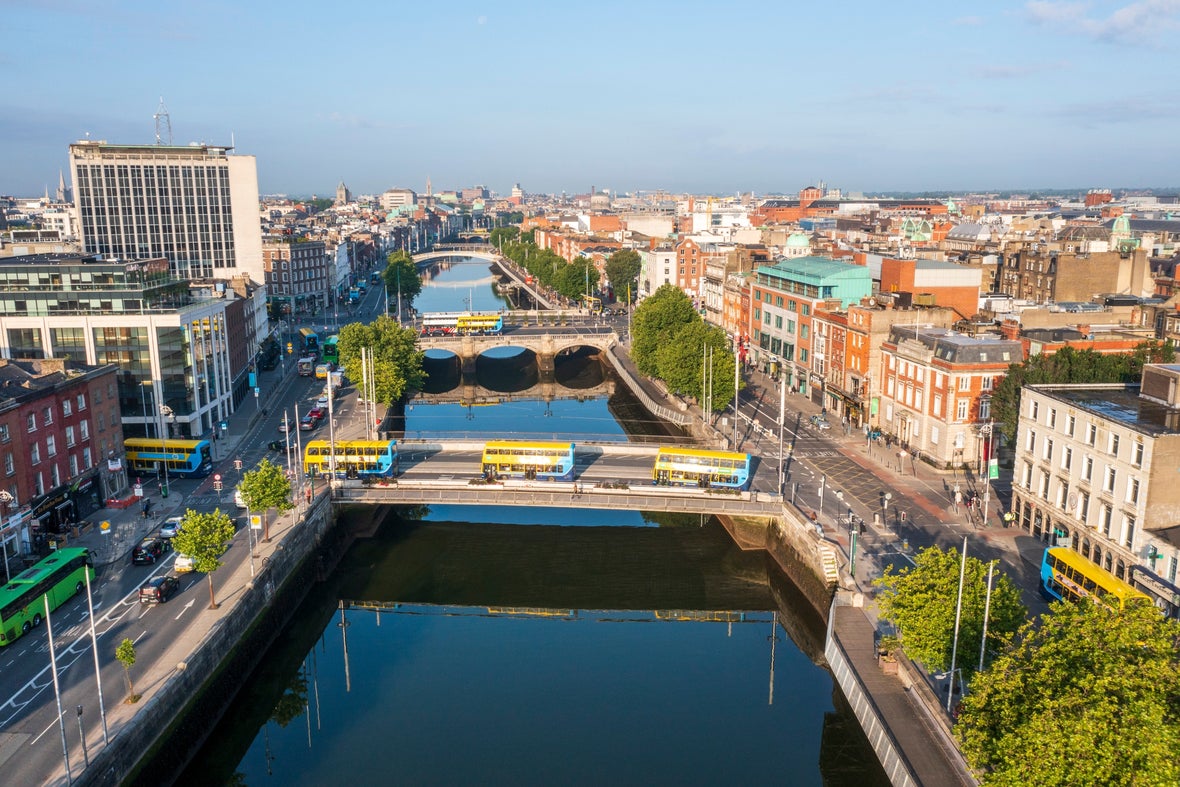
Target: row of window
915, 397
1114, 440
779, 301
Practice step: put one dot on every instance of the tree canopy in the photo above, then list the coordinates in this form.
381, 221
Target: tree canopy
1068, 365
567, 278
401, 275
502, 234
265, 487
1089, 696
656, 322
921, 601
203, 536
622, 269
397, 362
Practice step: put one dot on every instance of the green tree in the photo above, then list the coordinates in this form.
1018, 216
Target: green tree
265, 487
1089, 696
1068, 365
921, 601
656, 321
622, 269
577, 278
397, 362
125, 653
401, 275
203, 537
501, 235
698, 353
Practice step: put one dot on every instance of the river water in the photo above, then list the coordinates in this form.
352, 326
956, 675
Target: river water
541, 646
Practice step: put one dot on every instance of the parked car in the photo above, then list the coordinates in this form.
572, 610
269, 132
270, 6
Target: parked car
819, 422
239, 501
183, 564
171, 526
150, 550
159, 589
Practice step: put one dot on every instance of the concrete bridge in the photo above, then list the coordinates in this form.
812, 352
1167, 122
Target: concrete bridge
558, 494
478, 395
546, 346
443, 251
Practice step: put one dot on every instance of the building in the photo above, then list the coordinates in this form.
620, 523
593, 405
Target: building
1096, 471
936, 391
61, 444
343, 195
172, 348
786, 296
392, 199
1042, 274
299, 276
195, 206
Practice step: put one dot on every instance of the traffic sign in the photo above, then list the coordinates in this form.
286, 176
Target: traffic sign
217, 476
237, 464
256, 521
290, 348
216, 486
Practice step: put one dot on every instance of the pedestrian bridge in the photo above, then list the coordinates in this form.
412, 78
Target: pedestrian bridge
558, 494
443, 251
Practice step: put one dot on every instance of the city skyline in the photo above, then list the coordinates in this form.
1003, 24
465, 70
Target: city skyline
1016, 95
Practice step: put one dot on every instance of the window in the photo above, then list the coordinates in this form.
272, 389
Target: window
55, 474
4, 436
35, 454
1083, 506
84, 428
31, 421
1091, 434
1104, 520
66, 408
1087, 468
962, 410
985, 408
938, 405
9, 464
1047, 453
1044, 486
1052, 418
81, 402
1172, 566
934, 435
69, 437
73, 465
1112, 444
86, 458
964, 383
1137, 454
51, 445
1133, 490
986, 382
39, 483
47, 415
1030, 440
1110, 479
1069, 424
1034, 409
1128, 530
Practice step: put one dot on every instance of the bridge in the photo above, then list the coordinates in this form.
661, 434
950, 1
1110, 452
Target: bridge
479, 395
557, 494
546, 345
443, 251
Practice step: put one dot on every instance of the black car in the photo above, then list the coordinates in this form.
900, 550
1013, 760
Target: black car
277, 445
149, 551
159, 589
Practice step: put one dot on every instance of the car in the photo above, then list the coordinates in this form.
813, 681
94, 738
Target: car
239, 501
307, 423
157, 590
283, 426
322, 401
277, 445
317, 412
819, 422
149, 551
183, 564
171, 526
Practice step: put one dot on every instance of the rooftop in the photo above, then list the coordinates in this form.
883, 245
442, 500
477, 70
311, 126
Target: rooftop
1120, 403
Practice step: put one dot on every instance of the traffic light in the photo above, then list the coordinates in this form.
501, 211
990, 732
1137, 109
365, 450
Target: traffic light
290, 348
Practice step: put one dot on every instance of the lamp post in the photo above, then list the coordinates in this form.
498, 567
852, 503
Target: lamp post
164, 411
143, 407
5, 500
82, 735
885, 507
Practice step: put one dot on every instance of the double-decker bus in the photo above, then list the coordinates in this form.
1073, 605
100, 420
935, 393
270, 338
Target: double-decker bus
592, 304
351, 459
331, 350
1067, 575
310, 340
184, 458
532, 460
701, 467
444, 323
306, 366
57, 577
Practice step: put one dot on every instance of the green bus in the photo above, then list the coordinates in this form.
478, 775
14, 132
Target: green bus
331, 352
58, 576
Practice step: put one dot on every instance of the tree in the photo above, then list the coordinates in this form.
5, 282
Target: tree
266, 487
656, 321
401, 275
1089, 695
125, 653
921, 601
203, 537
622, 269
502, 235
698, 353
1068, 365
397, 362
577, 278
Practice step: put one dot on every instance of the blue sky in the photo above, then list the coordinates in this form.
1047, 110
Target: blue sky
687, 96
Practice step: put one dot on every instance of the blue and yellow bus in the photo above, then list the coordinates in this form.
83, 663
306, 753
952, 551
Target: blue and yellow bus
547, 461
1066, 575
331, 352
351, 459
185, 458
58, 577
310, 340
702, 468
445, 323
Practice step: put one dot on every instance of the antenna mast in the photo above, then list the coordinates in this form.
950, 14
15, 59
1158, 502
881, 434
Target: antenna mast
163, 124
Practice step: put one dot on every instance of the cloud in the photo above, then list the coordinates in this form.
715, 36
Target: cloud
1013, 71
1137, 22
972, 21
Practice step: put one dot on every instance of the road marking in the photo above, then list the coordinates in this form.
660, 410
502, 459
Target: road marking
52, 724
186, 608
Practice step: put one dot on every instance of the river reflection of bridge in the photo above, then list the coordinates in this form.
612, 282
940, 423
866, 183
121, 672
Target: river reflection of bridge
596, 615
474, 394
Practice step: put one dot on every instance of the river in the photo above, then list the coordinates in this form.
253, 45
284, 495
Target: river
541, 646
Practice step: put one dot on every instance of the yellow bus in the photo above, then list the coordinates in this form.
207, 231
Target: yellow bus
1067, 575
523, 459
701, 467
351, 459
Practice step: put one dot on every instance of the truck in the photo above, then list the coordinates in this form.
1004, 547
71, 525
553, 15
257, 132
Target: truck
306, 366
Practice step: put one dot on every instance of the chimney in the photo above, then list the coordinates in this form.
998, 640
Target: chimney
1010, 329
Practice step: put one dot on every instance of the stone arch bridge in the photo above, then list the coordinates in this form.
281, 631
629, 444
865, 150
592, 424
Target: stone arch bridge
546, 346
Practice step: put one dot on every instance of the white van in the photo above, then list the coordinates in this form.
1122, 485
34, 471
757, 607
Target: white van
238, 501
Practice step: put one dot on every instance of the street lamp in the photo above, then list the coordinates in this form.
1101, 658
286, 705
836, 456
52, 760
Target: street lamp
82, 735
5, 500
885, 507
165, 412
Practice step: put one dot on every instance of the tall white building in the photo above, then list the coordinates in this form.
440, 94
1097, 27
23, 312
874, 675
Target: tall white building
196, 206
